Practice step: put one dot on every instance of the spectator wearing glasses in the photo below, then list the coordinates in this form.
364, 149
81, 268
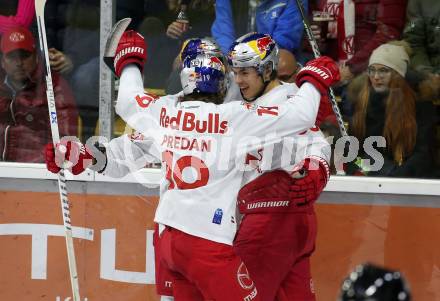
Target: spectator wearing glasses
288, 67
24, 116
391, 102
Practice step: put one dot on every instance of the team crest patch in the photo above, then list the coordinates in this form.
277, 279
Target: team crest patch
16, 37
145, 100
243, 277
249, 106
218, 215
136, 136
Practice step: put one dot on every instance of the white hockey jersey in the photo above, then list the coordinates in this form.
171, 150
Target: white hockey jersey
203, 146
293, 149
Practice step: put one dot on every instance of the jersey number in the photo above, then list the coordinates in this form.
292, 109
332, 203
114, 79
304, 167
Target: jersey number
174, 173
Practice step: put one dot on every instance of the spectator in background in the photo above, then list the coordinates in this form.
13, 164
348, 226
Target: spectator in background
288, 67
73, 38
386, 104
199, 15
72, 30
422, 32
24, 116
279, 18
159, 15
14, 14
355, 29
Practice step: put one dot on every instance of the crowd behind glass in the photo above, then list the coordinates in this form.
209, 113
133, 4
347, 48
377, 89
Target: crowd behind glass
390, 68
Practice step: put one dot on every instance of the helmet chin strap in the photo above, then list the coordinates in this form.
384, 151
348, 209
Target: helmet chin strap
261, 92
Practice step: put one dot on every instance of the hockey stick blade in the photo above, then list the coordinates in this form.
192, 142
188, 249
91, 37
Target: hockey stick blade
39, 7
113, 40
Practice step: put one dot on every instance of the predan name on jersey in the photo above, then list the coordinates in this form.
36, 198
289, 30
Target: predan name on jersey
196, 144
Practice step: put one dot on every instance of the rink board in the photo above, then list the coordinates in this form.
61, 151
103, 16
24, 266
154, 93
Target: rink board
113, 240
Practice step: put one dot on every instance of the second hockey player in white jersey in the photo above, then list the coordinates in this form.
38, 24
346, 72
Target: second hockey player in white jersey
278, 231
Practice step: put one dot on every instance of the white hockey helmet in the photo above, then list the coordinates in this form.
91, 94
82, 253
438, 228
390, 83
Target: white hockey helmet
254, 50
203, 73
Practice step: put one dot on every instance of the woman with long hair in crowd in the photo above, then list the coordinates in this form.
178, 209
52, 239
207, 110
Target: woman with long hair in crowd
395, 103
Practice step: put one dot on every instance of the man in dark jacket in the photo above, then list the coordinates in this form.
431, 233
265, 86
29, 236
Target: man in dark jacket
24, 116
422, 32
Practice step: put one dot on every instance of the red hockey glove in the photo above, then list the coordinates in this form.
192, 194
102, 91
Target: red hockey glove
267, 193
321, 72
278, 191
314, 174
77, 155
325, 110
131, 50
50, 158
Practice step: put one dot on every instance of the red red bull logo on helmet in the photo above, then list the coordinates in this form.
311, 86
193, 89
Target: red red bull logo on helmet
264, 43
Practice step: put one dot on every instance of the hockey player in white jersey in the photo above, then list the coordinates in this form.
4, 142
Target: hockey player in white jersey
199, 144
278, 231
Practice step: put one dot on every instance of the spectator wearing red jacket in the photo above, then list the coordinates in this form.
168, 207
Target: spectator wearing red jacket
358, 27
24, 116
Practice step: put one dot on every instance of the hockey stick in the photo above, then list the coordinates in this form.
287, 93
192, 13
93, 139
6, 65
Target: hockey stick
317, 54
113, 40
39, 10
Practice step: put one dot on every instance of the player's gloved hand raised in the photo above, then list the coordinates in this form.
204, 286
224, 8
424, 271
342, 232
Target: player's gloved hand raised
321, 72
313, 176
131, 49
73, 154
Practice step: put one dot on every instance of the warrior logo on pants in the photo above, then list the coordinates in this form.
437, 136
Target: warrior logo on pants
243, 277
